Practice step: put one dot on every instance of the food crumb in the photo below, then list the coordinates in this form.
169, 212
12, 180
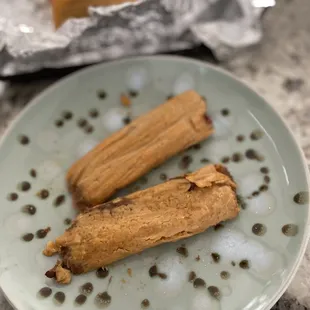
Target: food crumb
129, 271
125, 100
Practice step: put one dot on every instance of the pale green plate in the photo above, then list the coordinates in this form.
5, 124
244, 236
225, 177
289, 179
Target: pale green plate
275, 196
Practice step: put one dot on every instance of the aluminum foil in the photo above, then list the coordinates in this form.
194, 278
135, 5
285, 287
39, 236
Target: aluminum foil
29, 42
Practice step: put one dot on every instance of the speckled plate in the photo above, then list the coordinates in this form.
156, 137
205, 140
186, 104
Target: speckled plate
248, 261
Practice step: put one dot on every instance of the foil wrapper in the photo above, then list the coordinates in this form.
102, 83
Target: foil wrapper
29, 42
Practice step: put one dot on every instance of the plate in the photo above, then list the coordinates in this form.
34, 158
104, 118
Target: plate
249, 261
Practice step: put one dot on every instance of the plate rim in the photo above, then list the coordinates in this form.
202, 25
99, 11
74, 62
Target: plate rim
50, 89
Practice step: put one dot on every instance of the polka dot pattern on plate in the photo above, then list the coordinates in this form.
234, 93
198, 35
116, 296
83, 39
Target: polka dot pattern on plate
203, 272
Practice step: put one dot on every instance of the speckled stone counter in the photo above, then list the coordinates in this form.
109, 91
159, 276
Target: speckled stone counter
278, 69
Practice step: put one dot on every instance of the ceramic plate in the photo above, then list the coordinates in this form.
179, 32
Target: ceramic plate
248, 261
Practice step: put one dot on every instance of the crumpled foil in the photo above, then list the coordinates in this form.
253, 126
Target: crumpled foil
29, 42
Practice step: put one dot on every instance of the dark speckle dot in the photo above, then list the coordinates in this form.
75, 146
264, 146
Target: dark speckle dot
12, 196
60, 297
259, 229
41, 233
101, 94
45, 292
163, 177
264, 170
102, 272
24, 140
301, 198
169, 97
191, 276
255, 193
204, 160
67, 221
80, 299
237, 157
89, 129
225, 112
33, 173
240, 138
214, 292
233, 263
24, 186
199, 283
145, 303
225, 275
82, 122
266, 179
254, 155
186, 160
183, 251
256, 134
244, 264
250, 154
43, 194
93, 113
216, 257
87, 288
133, 93
59, 200
263, 188
103, 298
67, 115
197, 259
290, 230
59, 123
30, 209
225, 160
241, 202
126, 120
292, 84
153, 271
28, 237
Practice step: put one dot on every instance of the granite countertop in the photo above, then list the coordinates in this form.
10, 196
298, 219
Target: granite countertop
278, 69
